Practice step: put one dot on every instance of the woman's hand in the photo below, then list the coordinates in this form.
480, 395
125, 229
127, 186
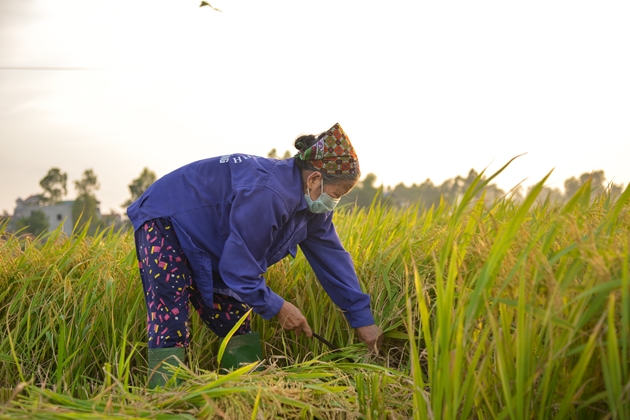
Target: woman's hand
291, 318
372, 336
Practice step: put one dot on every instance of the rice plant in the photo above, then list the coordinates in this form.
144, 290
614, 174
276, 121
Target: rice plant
504, 310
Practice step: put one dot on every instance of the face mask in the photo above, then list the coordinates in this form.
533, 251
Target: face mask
323, 204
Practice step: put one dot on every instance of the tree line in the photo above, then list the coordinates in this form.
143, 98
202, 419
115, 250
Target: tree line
428, 194
84, 207
366, 192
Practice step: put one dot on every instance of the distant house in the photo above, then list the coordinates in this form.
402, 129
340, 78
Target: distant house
60, 213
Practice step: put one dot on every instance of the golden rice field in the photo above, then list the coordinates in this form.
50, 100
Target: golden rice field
491, 311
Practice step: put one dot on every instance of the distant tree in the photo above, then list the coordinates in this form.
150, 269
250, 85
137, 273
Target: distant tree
6, 220
450, 191
88, 184
493, 193
363, 193
273, 154
571, 186
85, 206
615, 190
597, 179
428, 194
35, 224
84, 210
54, 185
453, 190
404, 196
552, 194
516, 194
139, 185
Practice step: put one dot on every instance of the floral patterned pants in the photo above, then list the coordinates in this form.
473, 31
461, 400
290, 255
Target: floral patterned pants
169, 286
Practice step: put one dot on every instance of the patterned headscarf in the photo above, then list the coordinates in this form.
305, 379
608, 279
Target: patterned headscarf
332, 153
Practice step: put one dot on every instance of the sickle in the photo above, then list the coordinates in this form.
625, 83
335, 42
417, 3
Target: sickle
328, 343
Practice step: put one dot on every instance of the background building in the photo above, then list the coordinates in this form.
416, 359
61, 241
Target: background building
57, 214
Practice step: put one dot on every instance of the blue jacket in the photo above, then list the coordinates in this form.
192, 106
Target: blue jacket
239, 214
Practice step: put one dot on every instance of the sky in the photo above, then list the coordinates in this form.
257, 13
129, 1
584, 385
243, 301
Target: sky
423, 89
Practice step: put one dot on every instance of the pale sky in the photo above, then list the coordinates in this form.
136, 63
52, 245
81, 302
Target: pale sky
423, 89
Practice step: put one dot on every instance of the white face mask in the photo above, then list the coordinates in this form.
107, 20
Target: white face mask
323, 204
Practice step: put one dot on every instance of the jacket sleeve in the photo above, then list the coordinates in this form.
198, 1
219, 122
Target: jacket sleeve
256, 215
334, 269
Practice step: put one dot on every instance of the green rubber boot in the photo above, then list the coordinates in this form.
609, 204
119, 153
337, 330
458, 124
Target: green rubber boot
243, 348
158, 375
